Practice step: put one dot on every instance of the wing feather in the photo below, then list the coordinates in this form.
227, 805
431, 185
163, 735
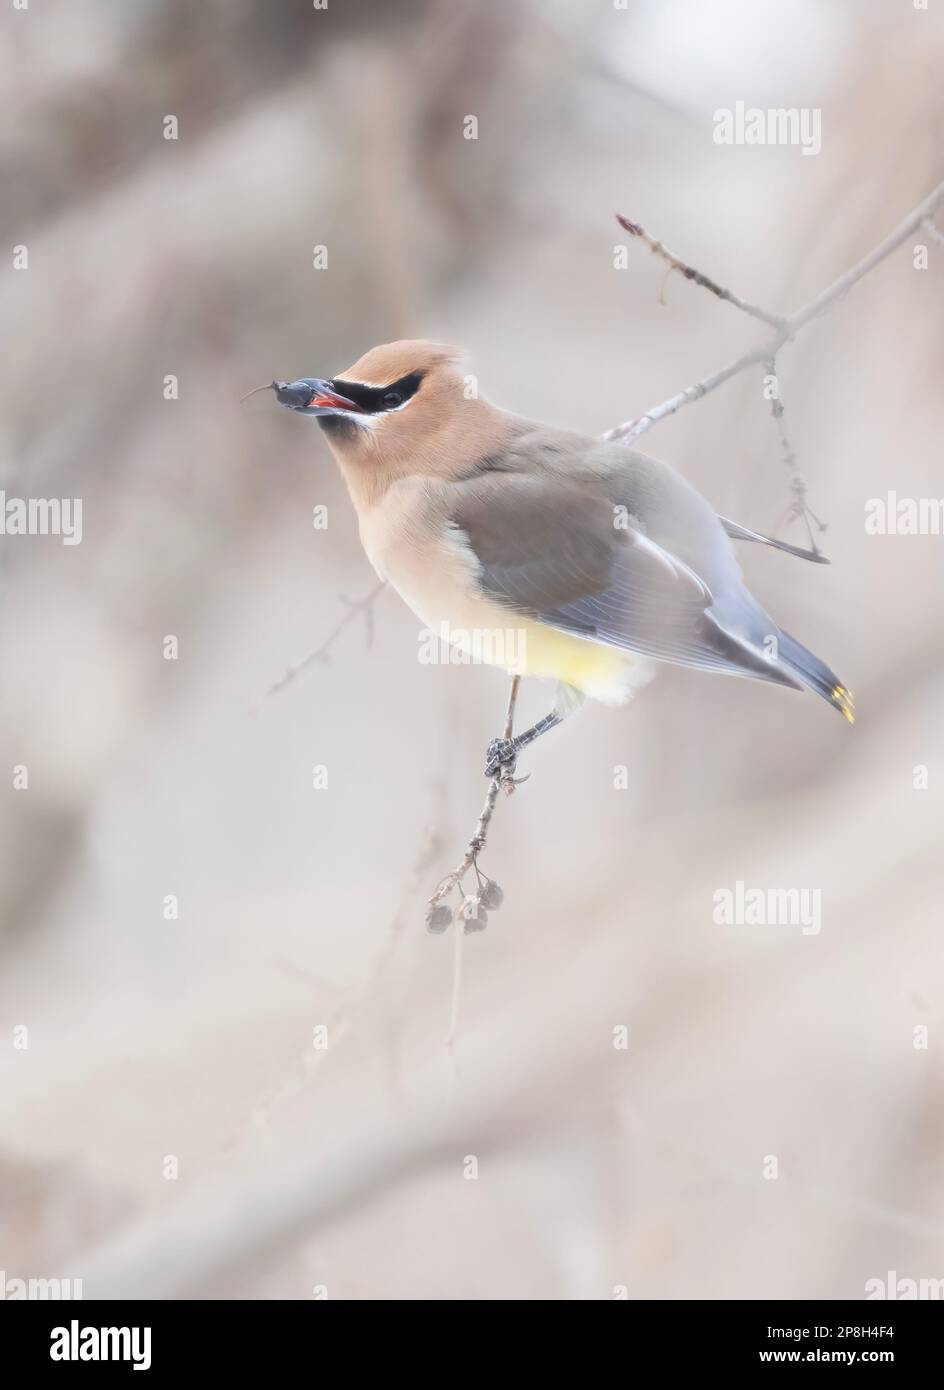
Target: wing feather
557, 549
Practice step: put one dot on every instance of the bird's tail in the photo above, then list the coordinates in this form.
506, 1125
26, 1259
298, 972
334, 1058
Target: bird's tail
815, 675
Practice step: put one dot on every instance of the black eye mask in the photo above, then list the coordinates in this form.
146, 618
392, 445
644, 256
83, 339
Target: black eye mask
376, 400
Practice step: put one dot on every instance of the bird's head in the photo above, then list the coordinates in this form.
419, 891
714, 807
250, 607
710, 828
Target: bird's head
394, 395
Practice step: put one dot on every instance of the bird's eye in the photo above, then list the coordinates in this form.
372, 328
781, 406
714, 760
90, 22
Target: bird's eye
392, 399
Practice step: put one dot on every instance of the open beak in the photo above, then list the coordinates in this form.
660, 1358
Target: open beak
312, 396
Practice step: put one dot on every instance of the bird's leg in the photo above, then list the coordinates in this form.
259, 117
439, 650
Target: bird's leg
502, 753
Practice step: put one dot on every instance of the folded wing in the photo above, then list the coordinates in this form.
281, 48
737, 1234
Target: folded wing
565, 551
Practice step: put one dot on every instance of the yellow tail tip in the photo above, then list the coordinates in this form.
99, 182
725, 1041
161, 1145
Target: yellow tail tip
844, 701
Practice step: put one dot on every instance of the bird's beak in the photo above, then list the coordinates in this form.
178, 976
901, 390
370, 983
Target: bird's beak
312, 396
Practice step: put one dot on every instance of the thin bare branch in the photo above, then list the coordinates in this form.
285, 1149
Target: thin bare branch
631, 430
503, 782
321, 653
799, 509
690, 273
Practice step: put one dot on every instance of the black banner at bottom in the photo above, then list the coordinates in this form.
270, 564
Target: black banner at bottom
164, 1339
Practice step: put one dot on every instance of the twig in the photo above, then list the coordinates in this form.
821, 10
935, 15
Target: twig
503, 782
799, 508
776, 409
631, 430
798, 485
359, 605
658, 249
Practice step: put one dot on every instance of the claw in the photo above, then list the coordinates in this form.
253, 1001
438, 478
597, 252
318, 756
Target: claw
500, 757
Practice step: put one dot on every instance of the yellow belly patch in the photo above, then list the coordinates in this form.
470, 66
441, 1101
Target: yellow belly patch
605, 673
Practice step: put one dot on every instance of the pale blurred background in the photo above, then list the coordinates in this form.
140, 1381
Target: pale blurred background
344, 1169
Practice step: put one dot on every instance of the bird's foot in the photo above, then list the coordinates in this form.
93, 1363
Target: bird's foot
501, 757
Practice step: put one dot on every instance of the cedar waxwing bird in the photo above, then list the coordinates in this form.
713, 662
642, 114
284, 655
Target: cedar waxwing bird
603, 559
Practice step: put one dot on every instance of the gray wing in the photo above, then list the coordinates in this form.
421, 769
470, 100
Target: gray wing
563, 548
